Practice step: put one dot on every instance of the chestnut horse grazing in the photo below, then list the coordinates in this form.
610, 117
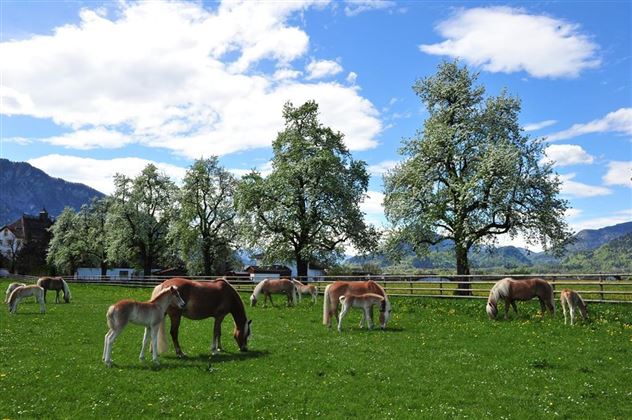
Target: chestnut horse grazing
336, 289
511, 290
11, 288
21, 292
364, 302
572, 300
57, 284
150, 314
269, 286
205, 299
305, 289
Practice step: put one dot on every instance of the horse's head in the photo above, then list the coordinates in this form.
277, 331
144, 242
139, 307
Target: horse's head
176, 299
385, 312
242, 334
492, 310
253, 300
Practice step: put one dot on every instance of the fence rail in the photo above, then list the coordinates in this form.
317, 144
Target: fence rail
601, 288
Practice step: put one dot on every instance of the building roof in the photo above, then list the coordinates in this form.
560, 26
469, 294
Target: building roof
31, 228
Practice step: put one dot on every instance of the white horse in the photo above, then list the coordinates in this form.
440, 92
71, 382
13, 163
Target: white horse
305, 289
11, 288
21, 292
364, 302
150, 314
572, 300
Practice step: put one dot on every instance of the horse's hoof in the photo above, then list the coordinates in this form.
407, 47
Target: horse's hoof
108, 363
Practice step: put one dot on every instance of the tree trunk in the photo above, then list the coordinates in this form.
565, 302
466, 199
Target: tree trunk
147, 263
206, 258
462, 268
104, 268
301, 268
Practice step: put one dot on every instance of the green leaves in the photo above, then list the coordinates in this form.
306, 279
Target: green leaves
470, 173
307, 208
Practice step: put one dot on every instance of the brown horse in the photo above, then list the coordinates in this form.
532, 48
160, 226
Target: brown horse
336, 289
269, 286
205, 299
57, 284
511, 290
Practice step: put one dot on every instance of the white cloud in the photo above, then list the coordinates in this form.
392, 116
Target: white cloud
580, 190
567, 154
286, 73
382, 167
505, 39
318, 69
352, 77
539, 125
373, 208
619, 121
92, 138
190, 89
97, 173
355, 7
619, 173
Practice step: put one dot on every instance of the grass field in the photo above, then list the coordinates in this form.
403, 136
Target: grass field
438, 358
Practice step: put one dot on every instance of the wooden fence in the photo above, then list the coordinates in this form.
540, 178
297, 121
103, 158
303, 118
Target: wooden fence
601, 288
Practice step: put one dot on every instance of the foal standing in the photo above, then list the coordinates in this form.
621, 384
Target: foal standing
364, 302
572, 300
21, 292
149, 314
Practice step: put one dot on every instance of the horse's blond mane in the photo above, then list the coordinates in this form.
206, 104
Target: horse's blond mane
257, 290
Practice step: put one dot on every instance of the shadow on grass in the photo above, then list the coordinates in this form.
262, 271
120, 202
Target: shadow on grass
201, 361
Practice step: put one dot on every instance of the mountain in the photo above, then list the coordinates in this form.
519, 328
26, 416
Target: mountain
613, 256
26, 189
588, 239
609, 248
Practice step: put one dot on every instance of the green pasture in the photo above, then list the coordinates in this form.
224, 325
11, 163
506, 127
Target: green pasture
439, 358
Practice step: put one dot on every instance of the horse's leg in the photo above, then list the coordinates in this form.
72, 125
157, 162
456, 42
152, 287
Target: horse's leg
345, 309
145, 341
105, 344
507, 303
56, 296
269, 295
369, 321
564, 310
217, 335
363, 319
175, 326
154, 343
542, 306
45, 290
109, 343
40, 300
572, 309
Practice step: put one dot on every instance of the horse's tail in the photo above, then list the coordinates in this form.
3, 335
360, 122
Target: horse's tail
327, 305
109, 316
67, 295
294, 293
163, 345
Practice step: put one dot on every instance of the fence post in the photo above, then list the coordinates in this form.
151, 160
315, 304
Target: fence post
410, 284
601, 286
440, 287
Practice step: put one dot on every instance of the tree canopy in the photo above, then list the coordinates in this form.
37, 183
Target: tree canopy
307, 208
471, 173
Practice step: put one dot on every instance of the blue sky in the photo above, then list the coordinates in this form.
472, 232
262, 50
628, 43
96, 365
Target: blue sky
89, 89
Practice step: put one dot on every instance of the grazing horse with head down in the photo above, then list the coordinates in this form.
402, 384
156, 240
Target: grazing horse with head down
21, 292
511, 290
572, 300
270, 286
336, 289
57, 284
206, 299
10, 289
